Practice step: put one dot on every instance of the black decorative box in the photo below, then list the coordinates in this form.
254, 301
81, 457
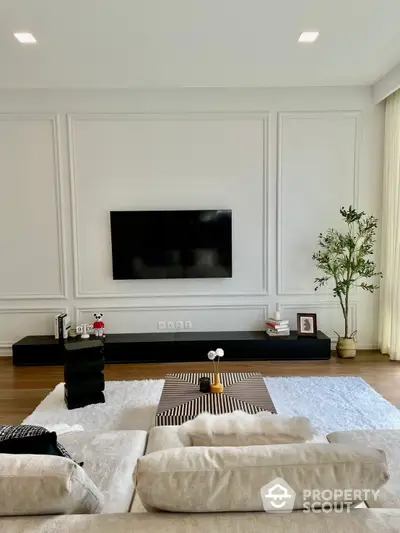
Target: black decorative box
205, 384
84, 373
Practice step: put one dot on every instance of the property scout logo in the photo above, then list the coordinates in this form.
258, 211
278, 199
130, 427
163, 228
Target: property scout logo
279, 497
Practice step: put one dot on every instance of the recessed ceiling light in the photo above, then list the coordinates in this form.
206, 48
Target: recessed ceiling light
308, 36
25, 38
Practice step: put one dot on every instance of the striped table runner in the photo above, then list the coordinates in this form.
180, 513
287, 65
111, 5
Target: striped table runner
181, 399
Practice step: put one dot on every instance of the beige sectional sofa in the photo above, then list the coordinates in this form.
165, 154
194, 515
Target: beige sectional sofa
110, 459
389, 441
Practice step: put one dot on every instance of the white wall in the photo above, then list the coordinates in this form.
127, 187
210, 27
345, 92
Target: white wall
284, 161
386, 85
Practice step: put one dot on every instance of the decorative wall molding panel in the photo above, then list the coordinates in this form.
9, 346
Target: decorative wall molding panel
144, 319
19, 322
318, 161
33, 264
223, 156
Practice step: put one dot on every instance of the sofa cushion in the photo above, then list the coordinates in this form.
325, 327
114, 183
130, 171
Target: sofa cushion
243, 429
110, 460
166, 437
357, 521
387, 440
159, 438
30, 440
45, 484
202, 479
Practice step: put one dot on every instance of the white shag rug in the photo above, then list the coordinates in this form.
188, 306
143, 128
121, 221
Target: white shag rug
332, 404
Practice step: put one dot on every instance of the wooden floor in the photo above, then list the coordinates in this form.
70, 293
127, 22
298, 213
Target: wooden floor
21, 389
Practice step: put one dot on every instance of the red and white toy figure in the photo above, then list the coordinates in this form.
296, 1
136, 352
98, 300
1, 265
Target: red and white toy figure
98, 325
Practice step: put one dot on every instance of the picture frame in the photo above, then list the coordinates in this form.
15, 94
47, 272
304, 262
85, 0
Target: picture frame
307, 324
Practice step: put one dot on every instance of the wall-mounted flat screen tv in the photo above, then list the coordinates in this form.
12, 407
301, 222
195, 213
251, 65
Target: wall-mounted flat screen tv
171, 244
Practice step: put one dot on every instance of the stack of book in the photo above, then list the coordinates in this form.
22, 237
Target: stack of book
277, 328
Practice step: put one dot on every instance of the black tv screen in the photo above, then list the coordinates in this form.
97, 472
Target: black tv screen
171, 244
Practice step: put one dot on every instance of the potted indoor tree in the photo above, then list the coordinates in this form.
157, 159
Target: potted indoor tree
344, 258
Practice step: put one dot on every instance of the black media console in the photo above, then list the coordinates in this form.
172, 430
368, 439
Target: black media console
181, 347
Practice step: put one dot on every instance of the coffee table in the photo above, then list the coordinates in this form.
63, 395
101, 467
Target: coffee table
181, 399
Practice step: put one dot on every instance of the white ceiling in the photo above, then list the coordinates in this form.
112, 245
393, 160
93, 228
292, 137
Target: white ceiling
201, 43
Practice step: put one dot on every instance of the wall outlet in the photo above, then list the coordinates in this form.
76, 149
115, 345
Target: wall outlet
162, 325
170, 324
188, 324
179, 324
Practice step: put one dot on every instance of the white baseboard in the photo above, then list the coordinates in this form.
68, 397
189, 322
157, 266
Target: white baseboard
359, 346
367, 347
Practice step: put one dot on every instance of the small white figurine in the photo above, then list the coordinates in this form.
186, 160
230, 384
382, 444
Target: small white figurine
84, 330
98, 325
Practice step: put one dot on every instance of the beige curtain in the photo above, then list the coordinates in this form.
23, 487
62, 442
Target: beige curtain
389, 313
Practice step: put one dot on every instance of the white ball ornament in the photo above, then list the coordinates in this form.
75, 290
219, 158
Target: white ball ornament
211, 355
219, 352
